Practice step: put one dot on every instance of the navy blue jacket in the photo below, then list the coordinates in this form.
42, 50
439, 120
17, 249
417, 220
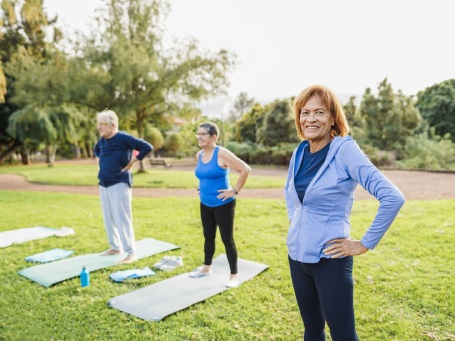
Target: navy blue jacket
115, 153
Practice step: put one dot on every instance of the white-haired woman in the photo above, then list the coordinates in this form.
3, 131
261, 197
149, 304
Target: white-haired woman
115, 152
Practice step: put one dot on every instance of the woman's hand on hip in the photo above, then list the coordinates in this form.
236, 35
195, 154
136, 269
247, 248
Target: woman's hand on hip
225, 194
130, 164
343, 247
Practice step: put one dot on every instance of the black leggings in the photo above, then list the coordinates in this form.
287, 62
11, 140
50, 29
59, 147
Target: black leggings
223, 216
324, 292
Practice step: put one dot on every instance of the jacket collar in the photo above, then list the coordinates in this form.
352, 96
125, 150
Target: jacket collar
336, 143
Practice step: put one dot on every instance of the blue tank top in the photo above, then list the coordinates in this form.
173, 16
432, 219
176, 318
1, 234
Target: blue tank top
211, 179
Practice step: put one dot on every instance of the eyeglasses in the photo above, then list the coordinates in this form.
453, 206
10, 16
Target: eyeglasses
201, 134
103, 124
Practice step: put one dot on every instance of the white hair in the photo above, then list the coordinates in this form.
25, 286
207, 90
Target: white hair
108, 116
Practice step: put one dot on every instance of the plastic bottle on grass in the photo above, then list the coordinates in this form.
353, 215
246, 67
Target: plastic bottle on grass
85, 277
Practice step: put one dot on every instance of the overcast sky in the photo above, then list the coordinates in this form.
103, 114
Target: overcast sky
285, 45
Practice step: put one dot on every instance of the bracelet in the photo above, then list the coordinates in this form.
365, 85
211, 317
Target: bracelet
235, 191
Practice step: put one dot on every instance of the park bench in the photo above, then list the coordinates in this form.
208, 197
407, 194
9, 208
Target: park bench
159, 162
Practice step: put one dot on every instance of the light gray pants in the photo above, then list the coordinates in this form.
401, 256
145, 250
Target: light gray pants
117, 214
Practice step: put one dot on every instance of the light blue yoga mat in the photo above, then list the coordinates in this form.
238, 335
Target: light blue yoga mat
156, 301
58, 271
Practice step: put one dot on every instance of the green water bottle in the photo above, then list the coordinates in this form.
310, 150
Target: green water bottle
85, 277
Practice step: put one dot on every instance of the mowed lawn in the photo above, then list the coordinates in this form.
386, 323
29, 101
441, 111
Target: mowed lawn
86, 174
403, 289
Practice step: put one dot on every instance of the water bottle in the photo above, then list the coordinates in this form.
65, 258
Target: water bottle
85, 277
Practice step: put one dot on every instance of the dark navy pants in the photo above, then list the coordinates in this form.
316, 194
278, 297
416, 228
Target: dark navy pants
223, 216
324, 293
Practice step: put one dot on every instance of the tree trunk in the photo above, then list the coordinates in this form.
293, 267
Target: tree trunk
9, 150
76, 151
25, 156
84, 152
50, 155
89, 149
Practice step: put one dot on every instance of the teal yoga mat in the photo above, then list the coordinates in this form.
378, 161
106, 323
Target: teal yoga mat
55, 272
156, 301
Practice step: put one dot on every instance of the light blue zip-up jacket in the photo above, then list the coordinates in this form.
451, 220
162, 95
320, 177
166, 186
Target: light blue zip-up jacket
324, 214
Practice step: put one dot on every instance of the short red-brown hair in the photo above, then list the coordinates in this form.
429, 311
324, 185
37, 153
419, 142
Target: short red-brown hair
331, 102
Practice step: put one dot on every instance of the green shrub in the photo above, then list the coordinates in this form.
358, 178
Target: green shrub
380, 158
281, 155
422, 152
261, 155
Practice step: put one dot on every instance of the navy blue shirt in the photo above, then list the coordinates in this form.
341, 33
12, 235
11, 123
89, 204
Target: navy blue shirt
311, 162
115, 153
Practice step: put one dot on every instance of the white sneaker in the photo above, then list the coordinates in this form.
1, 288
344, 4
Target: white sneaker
172, 263
163, 261
198, 273
233, 283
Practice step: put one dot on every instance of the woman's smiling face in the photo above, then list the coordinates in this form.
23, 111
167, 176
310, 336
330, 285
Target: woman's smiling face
203, 137
316, 120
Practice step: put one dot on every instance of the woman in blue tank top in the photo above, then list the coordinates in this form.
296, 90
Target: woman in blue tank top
217, 198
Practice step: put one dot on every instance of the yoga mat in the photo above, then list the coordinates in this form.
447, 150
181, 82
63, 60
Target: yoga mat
156, 301
19, 236
58, 271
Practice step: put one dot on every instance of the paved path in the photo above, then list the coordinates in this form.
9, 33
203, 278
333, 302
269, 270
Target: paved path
415, 186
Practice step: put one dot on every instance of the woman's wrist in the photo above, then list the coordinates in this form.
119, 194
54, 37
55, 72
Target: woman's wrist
235, 191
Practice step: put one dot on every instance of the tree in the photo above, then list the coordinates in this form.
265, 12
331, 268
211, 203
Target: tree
23, 35
278, 125
248, 125
375, 111
406, 121
389, 117
45, 97
437, 106
34, 125
429, 151
173, 143
189, 145
356, 121
154, 136
135, 75
2, 84
227, 130
241, 105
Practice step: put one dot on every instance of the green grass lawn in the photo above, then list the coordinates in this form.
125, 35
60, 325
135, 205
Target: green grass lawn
86, 174
403, 289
